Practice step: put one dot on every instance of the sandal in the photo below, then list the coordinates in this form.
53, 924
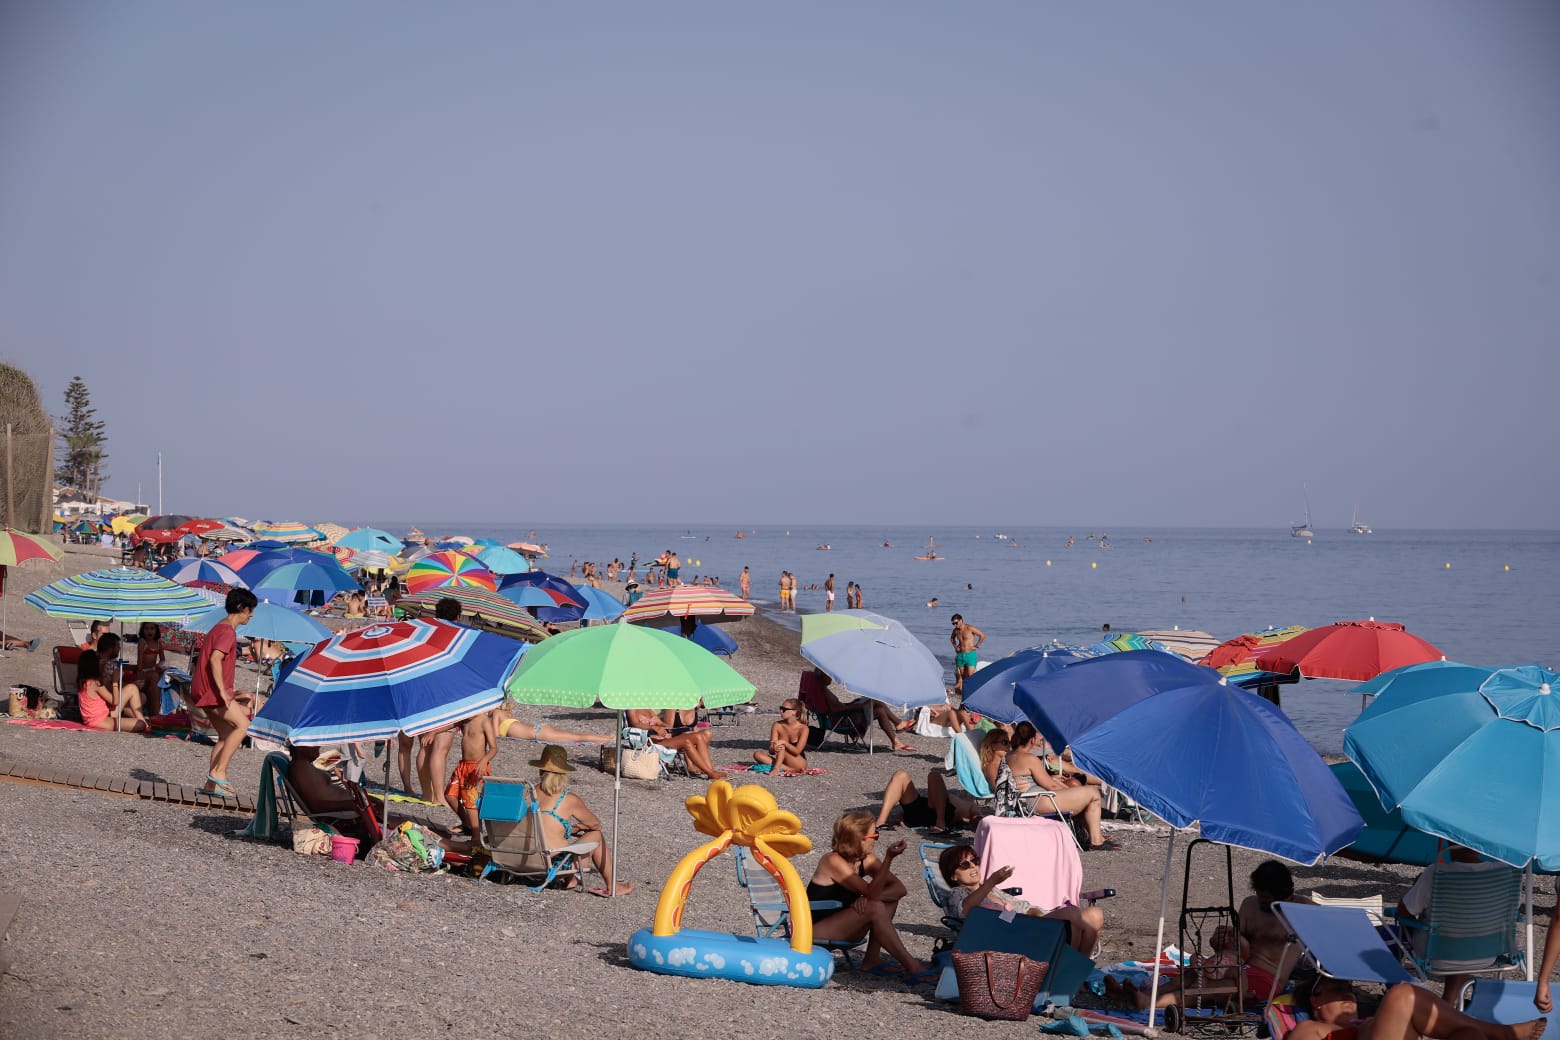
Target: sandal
922, 978
886, 968
903, 747
1108, 845
221, 788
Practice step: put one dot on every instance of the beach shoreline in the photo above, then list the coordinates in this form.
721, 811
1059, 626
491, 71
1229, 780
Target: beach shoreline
142, 918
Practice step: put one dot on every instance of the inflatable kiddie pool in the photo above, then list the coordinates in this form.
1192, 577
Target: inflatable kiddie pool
750, 817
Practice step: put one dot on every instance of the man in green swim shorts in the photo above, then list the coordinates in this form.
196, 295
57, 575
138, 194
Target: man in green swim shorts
966, 640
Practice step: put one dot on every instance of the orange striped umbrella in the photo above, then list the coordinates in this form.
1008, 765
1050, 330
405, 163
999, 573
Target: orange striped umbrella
709, 604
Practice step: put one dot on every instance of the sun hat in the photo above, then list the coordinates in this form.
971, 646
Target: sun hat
554, 760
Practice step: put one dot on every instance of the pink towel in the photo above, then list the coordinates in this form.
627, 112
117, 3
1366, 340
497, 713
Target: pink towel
1042, 854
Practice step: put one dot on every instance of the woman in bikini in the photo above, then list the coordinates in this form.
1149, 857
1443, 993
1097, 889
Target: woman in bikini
787, 741
150, 657
1406, 1012
100, 703
566, 819
1027, 769
852, 875
514, 729
693, 743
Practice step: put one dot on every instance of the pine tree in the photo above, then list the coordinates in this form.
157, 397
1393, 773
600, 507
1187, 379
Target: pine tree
82, 454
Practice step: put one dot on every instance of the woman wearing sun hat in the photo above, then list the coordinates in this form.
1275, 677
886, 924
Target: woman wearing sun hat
566, 819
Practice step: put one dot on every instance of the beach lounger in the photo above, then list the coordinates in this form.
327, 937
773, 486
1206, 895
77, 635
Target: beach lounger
938, 889
513, 835
1375, 905
1507, 1001
771, 913
966, 768
1344, 942
65, 658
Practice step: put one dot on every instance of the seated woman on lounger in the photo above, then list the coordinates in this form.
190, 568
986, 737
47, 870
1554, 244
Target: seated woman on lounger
1028, 769
960, 868
101, 701
1407, 1012
694, 744
566, 819
869, 893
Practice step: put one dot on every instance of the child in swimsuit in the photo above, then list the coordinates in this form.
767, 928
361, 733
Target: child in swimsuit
478, 744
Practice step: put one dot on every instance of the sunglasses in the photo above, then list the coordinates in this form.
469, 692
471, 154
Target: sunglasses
965, 864
872, 834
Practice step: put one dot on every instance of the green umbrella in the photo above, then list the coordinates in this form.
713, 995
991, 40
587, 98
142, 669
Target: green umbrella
816, 626
625, 666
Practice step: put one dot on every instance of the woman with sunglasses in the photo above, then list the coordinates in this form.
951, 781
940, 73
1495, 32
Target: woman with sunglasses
864, 885
787, 741
960, 867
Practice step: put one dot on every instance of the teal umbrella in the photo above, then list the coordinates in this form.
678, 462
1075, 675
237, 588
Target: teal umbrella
502, 560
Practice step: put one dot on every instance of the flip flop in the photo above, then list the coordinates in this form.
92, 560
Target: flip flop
903, 747
886, 969
223, 788
923, 978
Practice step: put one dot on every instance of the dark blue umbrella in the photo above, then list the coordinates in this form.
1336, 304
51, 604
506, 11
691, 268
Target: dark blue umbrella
714, 639
1191, 747
267, 560
990, 690
571, 607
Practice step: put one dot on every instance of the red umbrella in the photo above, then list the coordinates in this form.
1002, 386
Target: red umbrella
1356, 650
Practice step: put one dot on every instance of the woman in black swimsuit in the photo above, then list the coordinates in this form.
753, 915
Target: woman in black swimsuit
852, 875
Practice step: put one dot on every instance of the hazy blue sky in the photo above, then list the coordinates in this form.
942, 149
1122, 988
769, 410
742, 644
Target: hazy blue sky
1025, 263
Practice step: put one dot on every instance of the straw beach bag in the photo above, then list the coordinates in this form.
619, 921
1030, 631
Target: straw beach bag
998, 985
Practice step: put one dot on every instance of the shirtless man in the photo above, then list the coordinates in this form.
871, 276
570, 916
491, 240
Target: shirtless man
1265, 936
694, 744
966, 640
673, 569
746, 582
787, 740
1406, 1012
478, 745
828, 594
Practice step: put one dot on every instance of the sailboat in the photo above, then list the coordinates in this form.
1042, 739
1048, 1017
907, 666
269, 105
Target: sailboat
1303, 529
1356, 527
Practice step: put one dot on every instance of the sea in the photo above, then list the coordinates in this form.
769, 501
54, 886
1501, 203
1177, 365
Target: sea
1482, 597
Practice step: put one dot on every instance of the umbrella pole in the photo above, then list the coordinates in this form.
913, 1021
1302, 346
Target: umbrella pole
384, 814
1527, 897
617, 798
1159, 941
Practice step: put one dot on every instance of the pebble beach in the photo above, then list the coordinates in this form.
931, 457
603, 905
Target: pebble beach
146, 919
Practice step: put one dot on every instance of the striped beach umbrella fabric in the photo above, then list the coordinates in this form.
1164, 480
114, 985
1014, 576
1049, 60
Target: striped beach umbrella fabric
398, 677
707, 603
449, 568
287, 531
119, 594
192, 569
18, 547
479, 608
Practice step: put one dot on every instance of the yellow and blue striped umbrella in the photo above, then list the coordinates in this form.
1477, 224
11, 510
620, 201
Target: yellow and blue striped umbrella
119, 594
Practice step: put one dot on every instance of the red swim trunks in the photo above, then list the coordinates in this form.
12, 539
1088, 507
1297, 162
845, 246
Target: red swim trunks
1259, 981
465, 784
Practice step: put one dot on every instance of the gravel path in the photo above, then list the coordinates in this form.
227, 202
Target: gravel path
142, 919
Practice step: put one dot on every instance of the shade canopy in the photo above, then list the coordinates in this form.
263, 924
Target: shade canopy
626, 667
1194, 748
479, 608
886, 664
119, 594
1356, 650
269, 621
669, 605
990, 690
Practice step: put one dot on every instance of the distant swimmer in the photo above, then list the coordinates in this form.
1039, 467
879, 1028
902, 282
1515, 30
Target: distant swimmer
1069, 543
1148, 539
932, 602
967, 585
888, 545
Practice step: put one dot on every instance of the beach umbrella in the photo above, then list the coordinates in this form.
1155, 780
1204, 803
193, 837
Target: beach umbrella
502, 560
449, 569
287, 531
1432, 729
623, 667
884, 664
529, 549
1126, 641
332, 532
1236, 659
713, 638
480, 609
254, 564
487, 543
706, 602
226, 534
816, 626
124, 523
372, 683
568, 602
123, 594
990, 690
269, 621
18, 548
1357, 650
1190, 643
1387, 837
326, 577
193, 569
369, 560
1191, 747
371, 538
603, 606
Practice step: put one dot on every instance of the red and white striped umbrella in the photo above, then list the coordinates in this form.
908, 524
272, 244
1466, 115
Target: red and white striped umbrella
707, 603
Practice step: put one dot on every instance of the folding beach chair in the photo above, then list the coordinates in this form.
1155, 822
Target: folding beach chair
939, 890
1345, 943
849, 724
771, 913
511, 830
966, 767
1471, 924
1506, 1001
290, 805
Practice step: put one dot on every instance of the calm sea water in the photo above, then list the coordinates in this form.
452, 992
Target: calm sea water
1494, 604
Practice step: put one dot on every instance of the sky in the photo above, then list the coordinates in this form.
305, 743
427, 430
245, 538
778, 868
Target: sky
1024, 263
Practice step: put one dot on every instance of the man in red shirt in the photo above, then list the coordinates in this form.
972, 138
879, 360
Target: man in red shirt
215, 691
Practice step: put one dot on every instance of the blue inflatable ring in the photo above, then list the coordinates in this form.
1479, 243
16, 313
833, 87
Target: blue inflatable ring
722, 955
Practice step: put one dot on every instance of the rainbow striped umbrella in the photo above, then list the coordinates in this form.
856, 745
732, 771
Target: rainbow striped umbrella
709, 604
1236, 659
479, 608
286, 531
449, 568
18, 547
119, 594
332, 532
372, 683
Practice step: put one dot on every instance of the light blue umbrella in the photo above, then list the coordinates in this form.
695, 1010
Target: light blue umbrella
990, 690
1471, 755
600, 606
371, 538
502, 560
529, 596
269, 621
122, 594
885, 664
306, 577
